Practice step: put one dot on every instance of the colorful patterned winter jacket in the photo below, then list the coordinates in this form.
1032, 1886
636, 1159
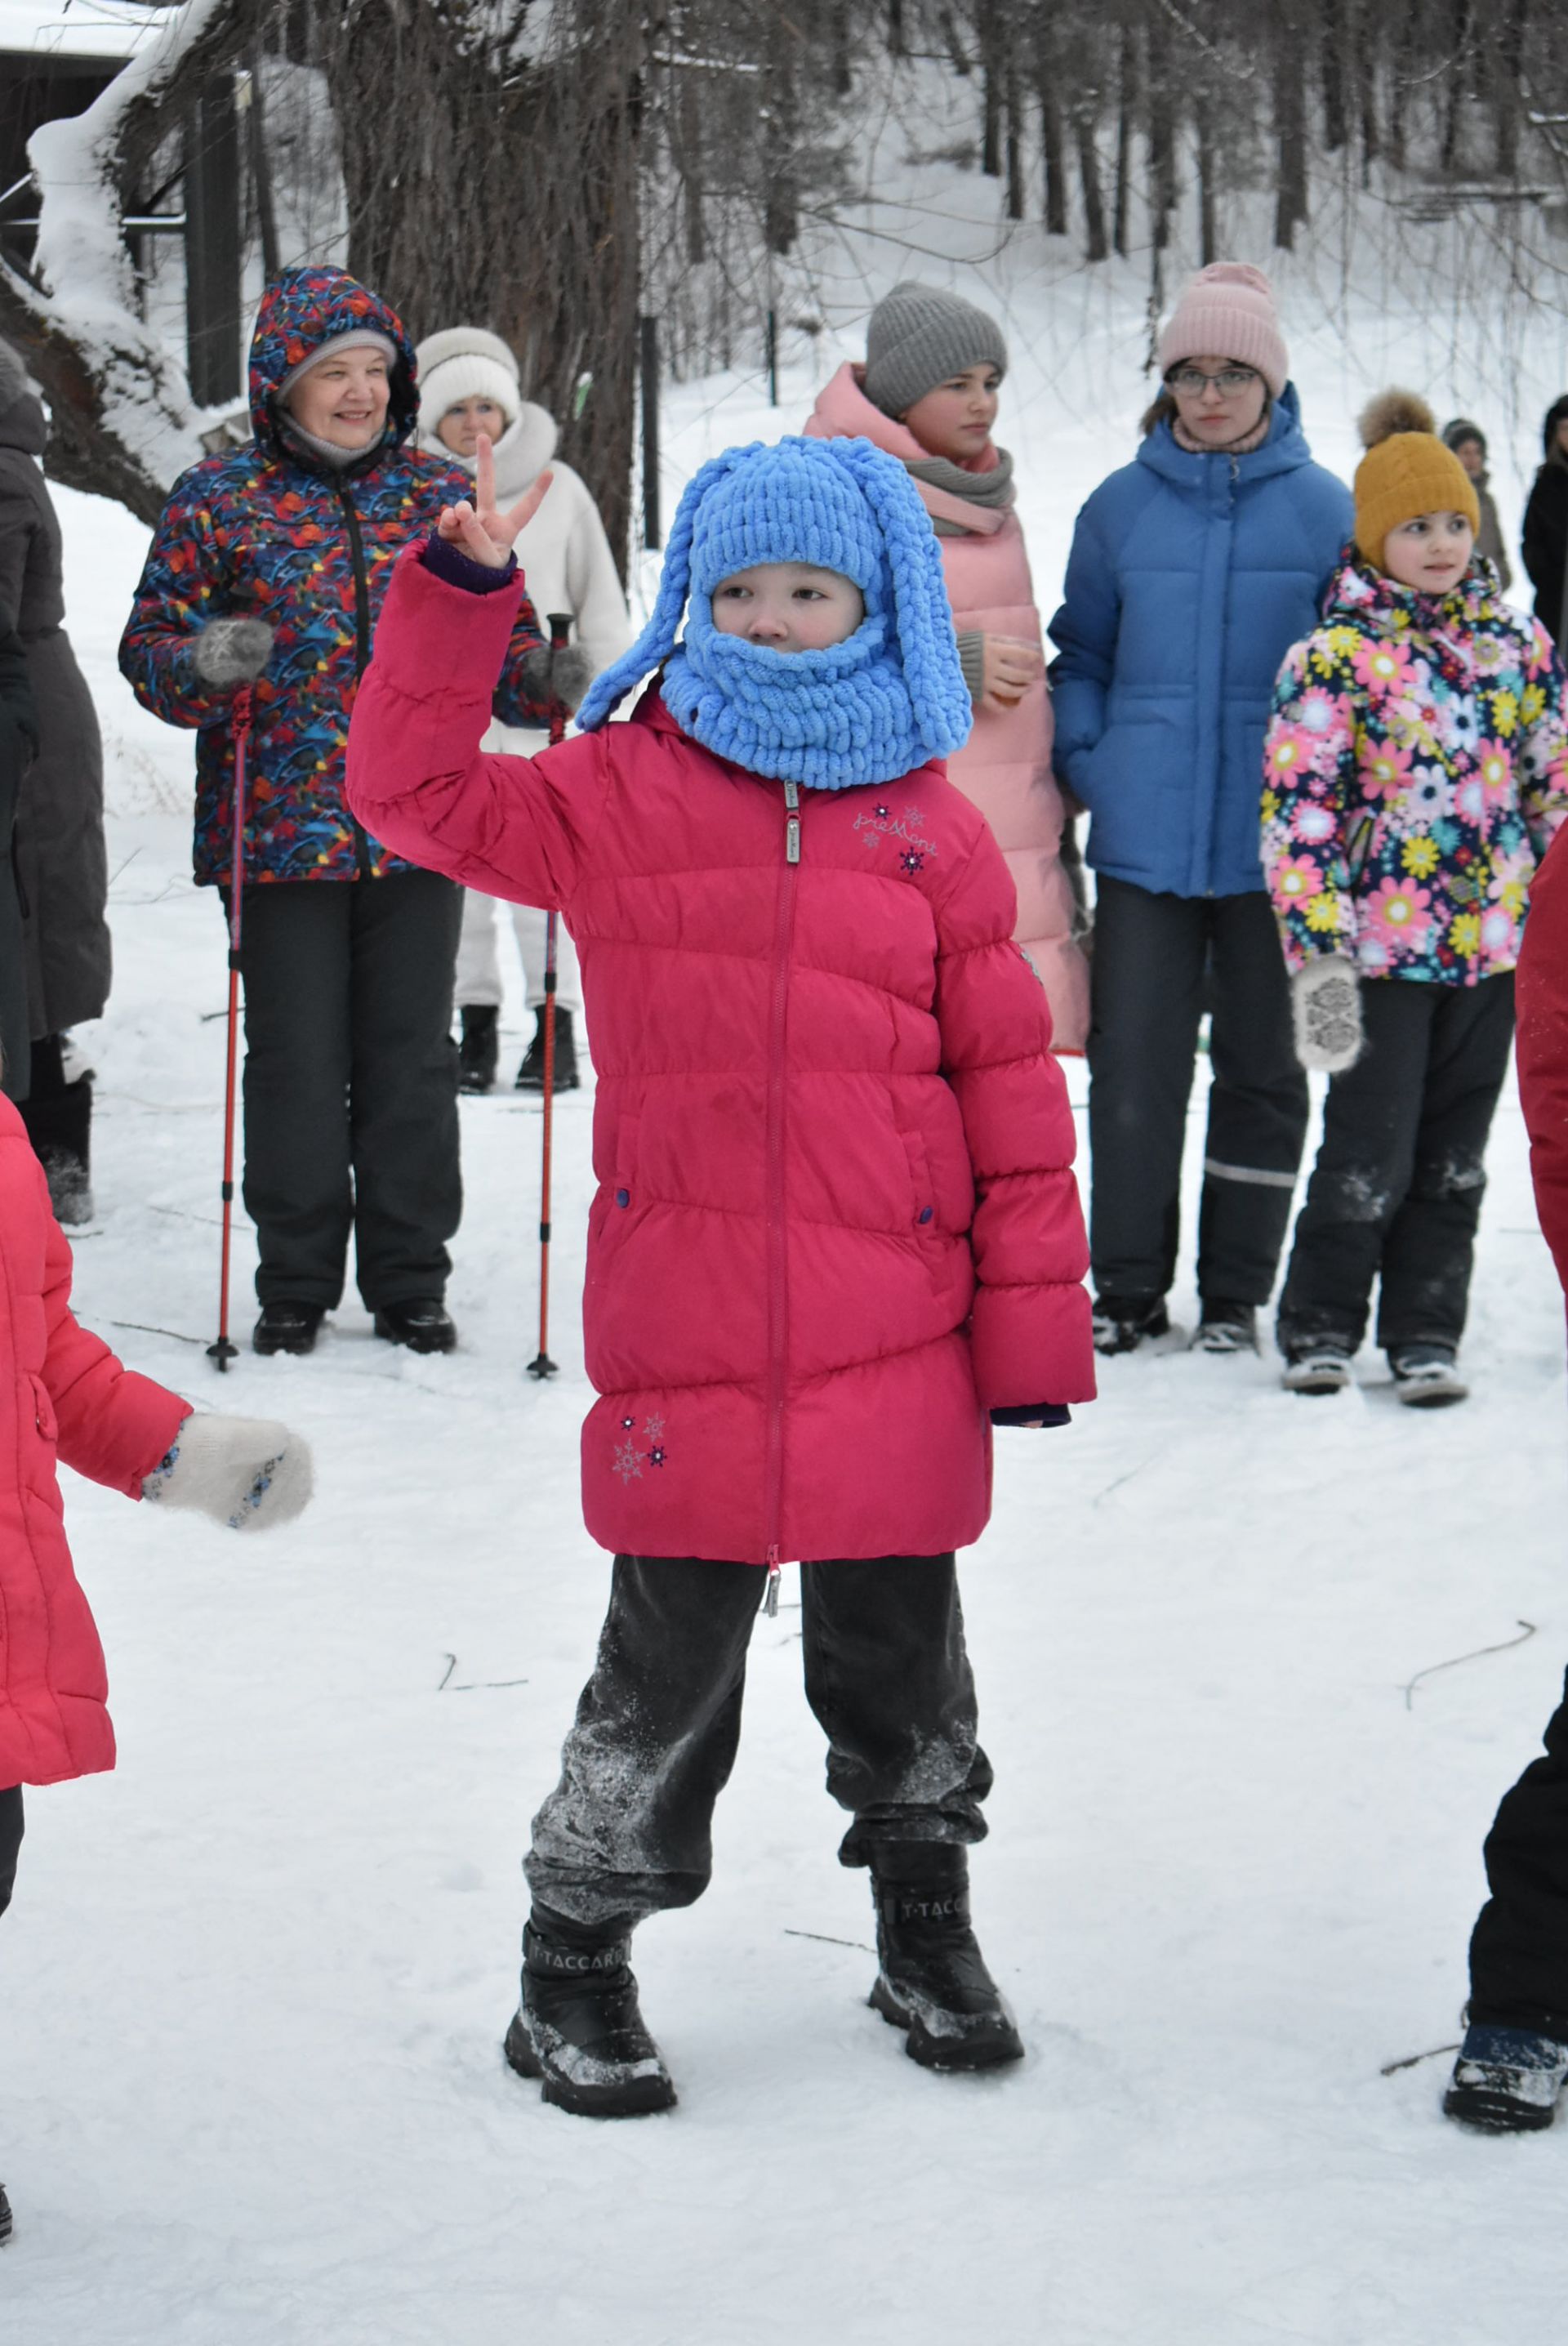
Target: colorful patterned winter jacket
266, 533
63, 1395
1415, 767
836, 1221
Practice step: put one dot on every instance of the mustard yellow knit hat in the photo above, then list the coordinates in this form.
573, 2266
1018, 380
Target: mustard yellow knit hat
1406, 471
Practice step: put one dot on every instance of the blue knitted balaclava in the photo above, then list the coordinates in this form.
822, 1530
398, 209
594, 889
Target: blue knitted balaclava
868, 709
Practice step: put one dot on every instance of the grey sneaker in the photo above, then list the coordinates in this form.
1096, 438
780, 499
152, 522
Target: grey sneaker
1425, 1376
1318, 1369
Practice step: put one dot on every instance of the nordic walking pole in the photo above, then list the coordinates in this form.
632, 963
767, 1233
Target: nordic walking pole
223, 1351
560, 625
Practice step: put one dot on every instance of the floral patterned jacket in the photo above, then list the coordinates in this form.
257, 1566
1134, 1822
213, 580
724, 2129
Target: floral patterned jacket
1415, 767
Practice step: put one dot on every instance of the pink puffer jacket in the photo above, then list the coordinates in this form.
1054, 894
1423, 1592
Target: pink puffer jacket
63, 1394
1005, 767
836, 1219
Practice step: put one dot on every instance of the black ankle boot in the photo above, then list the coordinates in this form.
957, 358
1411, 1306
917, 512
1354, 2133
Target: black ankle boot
531, 1073
933, 1982
479, 1052
59, 1125
578, 2028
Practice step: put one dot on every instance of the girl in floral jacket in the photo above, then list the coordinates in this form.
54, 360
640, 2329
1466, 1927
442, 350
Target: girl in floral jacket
1415, 767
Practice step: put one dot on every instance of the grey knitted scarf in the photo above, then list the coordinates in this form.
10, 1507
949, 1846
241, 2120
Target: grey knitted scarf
992, 490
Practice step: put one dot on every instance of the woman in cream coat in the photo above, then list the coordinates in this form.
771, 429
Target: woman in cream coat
469, 383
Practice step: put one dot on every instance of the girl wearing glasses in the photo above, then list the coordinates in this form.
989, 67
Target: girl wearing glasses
1192, 571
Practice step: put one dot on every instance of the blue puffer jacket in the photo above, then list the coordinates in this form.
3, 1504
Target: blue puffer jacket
1190, 579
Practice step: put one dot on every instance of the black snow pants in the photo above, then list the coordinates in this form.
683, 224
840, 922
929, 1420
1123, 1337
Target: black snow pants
628, 1832
1159, 962
1519, 1948
10, 1840
350, 1085
1399, 1178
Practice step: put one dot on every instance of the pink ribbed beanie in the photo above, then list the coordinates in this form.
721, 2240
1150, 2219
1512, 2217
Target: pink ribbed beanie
1228, 312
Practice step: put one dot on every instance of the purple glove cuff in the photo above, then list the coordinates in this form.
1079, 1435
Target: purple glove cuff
459, 569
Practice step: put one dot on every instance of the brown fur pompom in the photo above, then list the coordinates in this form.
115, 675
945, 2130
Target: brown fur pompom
1391, 412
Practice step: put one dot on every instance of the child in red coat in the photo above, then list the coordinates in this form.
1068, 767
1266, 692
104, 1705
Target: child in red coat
66, 1397
836, 1233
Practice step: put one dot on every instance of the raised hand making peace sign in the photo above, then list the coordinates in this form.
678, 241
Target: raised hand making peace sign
480, 531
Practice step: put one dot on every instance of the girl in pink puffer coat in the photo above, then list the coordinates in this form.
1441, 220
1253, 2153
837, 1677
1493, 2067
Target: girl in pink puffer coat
928, 394
836, 1233
63, 1396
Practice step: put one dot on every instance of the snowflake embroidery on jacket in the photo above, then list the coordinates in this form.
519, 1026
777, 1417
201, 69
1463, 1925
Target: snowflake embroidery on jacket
629, 1460
910, 860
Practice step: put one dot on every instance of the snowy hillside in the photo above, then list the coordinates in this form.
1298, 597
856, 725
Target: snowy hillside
250, 2089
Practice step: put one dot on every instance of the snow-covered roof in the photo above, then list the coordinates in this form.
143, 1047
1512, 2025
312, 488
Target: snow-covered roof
78, 28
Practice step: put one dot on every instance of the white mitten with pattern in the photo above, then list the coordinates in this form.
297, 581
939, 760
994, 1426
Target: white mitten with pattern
248, 1472
1326, 1009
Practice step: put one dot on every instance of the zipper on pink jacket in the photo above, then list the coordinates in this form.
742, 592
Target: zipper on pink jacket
777, 1255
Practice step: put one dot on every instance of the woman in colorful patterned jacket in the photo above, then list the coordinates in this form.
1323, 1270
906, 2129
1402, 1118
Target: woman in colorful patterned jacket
266, 575
1415, 767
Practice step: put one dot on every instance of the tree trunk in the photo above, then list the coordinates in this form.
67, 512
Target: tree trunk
991, 89
1161, 134
1331, 46
1289, 131
1507, 75
1096, 247
1014, 144
1207, 237
1127, 106
1457, 86
1053, 133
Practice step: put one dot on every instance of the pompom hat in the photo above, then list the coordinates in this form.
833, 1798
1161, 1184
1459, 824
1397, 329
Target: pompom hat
465, 362
920, 336
1228, 311
868, 709
1406, 471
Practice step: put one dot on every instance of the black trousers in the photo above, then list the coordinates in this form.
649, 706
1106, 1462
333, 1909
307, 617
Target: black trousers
1399, 1178
628, 1832
1518, 1949
11, 1828
350, 1085
1158, 962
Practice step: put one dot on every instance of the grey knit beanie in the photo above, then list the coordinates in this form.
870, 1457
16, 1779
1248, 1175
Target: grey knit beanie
918, 337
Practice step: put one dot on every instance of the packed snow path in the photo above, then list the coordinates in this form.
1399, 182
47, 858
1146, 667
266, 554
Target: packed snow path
255, 1983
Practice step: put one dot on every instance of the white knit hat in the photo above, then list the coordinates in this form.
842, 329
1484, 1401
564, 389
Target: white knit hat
465, 362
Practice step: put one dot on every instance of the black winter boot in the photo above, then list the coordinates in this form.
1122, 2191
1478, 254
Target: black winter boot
933, 1981
59, 1125
4, 2217
288, 1327
1120, 1322
579, 2027
479, 1052
531, 1073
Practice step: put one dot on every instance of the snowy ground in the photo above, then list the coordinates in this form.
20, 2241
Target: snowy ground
250, 2090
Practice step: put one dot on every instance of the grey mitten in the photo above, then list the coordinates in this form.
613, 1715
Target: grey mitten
564, 675
1326, 1010
232, 652
248, 1472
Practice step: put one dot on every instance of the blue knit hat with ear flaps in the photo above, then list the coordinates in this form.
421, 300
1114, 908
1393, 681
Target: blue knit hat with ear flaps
868, 709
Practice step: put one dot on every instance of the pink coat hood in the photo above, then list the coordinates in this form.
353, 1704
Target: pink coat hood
836, 1219
1004, 768
63, 1394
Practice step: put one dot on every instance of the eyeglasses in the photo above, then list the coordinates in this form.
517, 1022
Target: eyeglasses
1192, 382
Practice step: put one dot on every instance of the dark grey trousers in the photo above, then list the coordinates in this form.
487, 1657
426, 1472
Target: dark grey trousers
628, 1832
10, 1827
1401, 1174
350, 1085
1159, 962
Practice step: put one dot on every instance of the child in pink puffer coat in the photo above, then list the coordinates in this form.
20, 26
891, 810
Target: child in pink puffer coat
928, 394
63, 1396
836, 1234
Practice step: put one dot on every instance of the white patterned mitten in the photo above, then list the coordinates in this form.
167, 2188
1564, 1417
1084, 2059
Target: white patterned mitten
232, 651
245, 1472
1326, 1009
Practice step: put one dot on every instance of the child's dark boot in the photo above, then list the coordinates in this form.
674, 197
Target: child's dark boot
578, 2028
933, 1982
1506, 2080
